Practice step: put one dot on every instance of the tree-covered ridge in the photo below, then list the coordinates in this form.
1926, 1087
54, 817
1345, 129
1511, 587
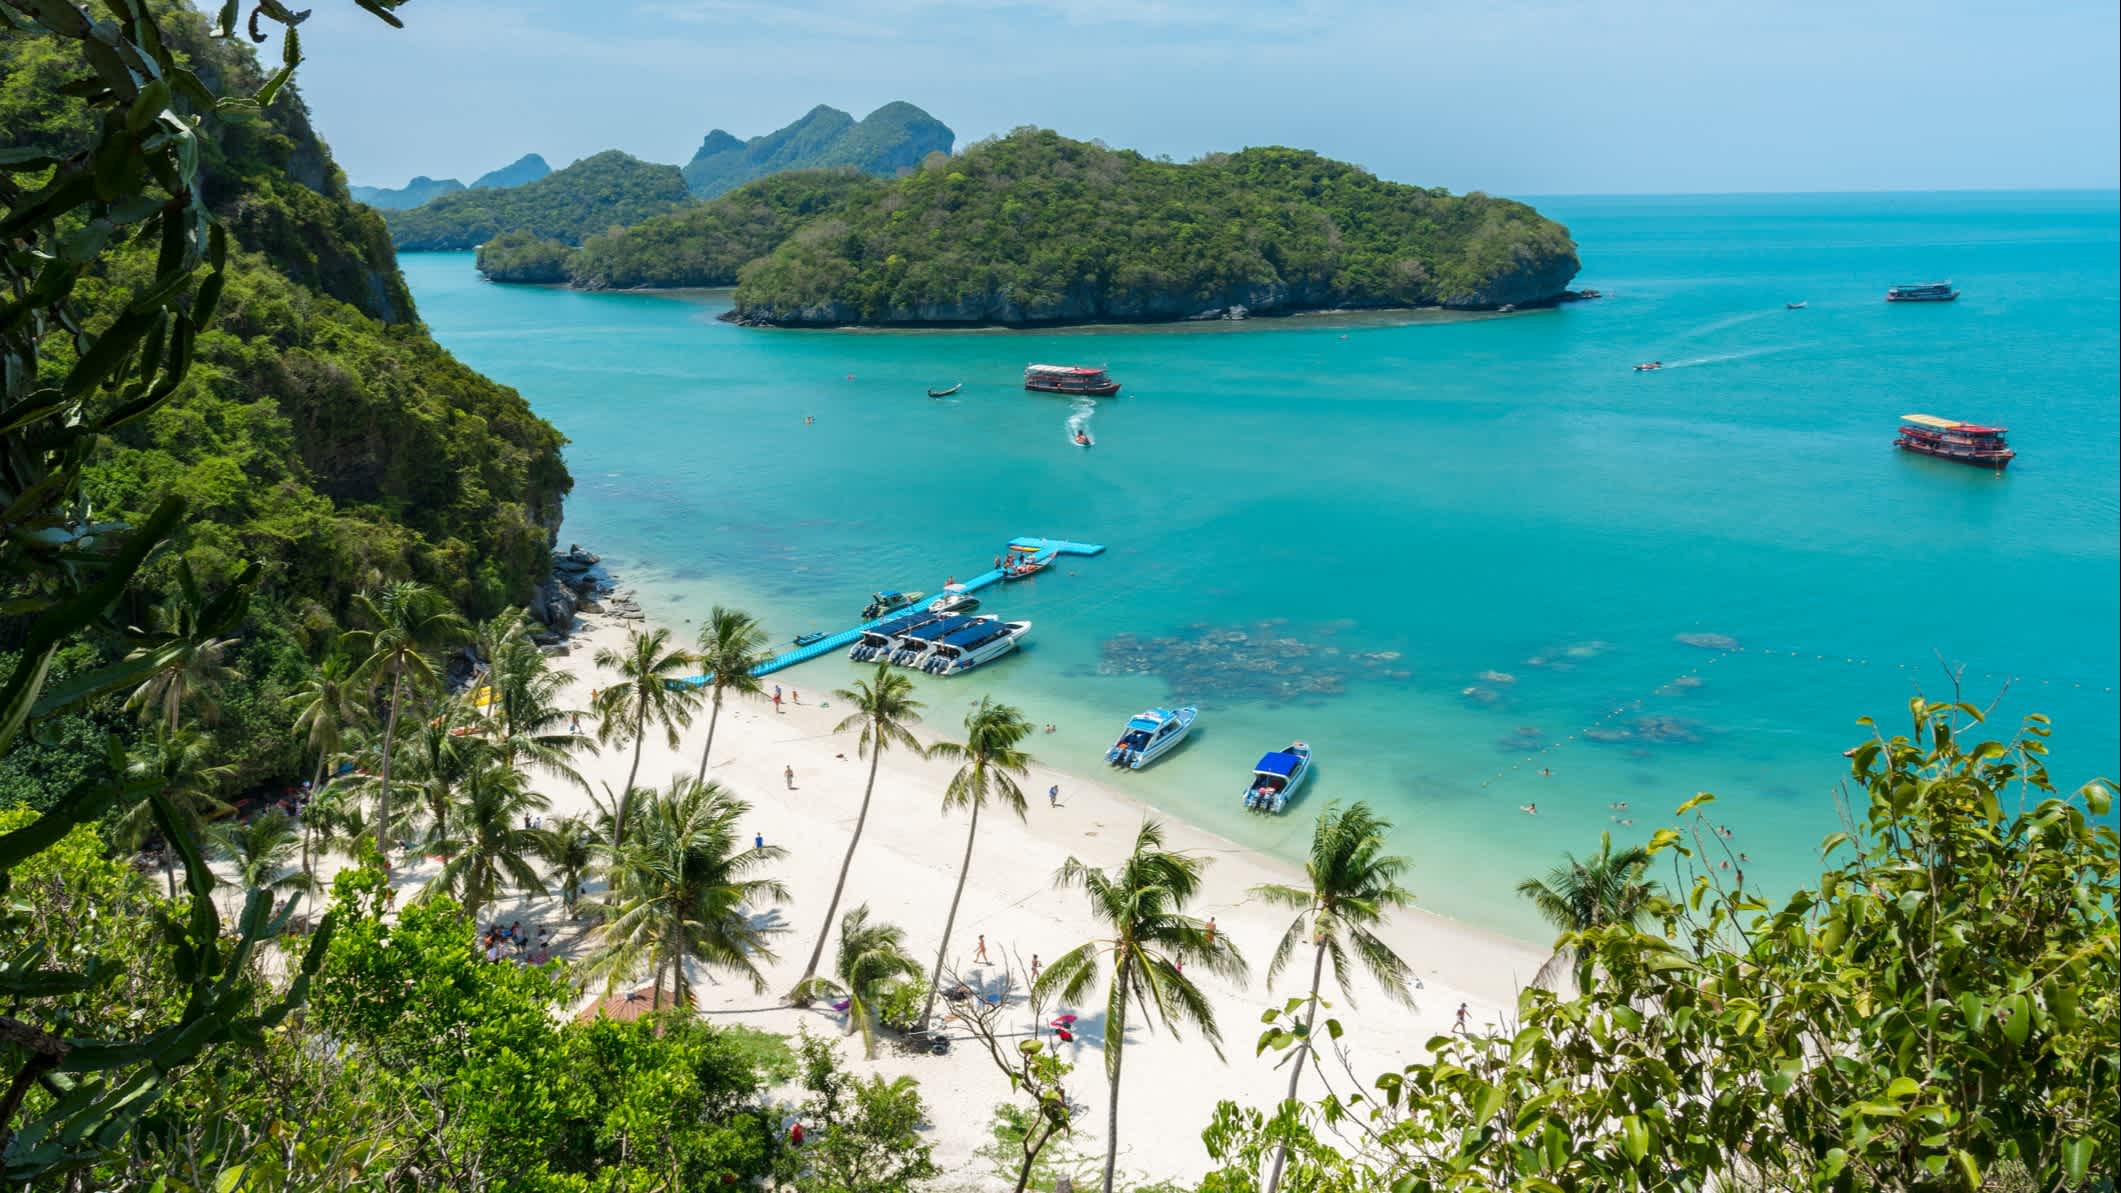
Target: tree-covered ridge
701, 244
892, 139
610, 190
524, 170
1037, 228
332, 447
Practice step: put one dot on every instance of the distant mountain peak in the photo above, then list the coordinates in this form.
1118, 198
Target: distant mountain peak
412, 194
528, 168
891, 139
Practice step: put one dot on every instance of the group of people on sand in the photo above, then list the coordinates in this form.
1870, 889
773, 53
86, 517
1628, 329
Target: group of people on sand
513, 943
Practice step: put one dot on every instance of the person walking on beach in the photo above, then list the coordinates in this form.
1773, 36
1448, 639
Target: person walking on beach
979, 954
758, 842
1035, 967
1460, 1027
1053, 796
1211, 932
574, 723
777, 698
788, 773
794, 697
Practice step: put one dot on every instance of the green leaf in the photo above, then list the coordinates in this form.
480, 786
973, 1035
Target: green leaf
1634, 1138
2076, 1159
2016, 1018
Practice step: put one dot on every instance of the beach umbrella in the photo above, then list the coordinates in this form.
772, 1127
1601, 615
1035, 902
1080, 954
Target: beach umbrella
620, 1007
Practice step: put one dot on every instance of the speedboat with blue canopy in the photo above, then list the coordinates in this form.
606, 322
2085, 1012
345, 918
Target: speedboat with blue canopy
910, 647
1276, 778
986, 638
875, 641
1149, 735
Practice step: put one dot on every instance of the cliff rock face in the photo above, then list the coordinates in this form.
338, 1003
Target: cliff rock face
1035, 229
895, 137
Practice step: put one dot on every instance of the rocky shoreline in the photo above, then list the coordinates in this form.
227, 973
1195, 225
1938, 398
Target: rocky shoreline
579, 583
834, 318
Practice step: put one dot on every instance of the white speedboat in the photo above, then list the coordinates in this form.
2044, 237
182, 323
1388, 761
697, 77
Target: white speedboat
1277, 776
954, 599
1149, 735
875, 642
910, 647
986, 639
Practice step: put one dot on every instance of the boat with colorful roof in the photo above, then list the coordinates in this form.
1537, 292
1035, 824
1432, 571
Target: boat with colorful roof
1069, 379
1947, 439
1150, 734
1277, 776
1924, 292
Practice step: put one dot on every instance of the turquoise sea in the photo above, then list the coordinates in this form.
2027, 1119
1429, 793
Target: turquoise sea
1460, 552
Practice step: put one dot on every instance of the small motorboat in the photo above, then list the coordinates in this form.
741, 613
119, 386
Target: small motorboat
1149, 735
955, 599
807, 639
1082, 439
1795, 306
1649, 366
1024, 563
1277, 776
944, 393
881, 603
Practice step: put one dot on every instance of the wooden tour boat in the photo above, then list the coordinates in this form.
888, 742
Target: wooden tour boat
1968, 443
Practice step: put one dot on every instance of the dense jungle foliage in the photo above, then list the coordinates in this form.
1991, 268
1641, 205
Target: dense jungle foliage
320, 432
1034, 227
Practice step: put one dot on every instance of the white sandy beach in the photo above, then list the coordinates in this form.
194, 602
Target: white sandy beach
905, 870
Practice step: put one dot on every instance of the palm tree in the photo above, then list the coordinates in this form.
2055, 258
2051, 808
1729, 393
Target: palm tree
1353, 884
1577, 896
261, 850
179, 761
732, 643
681, 888
569, 846
493, 843
644, 697
437, 758
883, 707
526, 692
992, 764
327, 705
188, 665
872, 957
1143, 902
412, 622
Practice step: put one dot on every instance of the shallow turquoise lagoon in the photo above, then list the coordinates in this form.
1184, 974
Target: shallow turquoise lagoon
1461, 552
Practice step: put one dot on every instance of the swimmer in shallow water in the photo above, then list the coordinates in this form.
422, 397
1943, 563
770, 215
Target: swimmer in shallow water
1529, 809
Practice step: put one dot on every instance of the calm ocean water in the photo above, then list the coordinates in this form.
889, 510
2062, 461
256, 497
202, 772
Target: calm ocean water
1459, 552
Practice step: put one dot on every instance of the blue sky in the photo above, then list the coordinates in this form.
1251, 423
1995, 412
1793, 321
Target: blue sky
1509, 96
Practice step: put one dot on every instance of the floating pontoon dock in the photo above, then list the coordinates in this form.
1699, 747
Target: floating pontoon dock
1039, 550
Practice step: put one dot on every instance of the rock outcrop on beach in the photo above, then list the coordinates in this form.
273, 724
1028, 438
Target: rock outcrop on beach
1036, 229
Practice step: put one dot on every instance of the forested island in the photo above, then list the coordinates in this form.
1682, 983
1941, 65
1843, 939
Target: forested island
607, 190
1037, 229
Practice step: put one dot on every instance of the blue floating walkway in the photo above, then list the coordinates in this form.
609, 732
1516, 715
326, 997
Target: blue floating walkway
1039, 550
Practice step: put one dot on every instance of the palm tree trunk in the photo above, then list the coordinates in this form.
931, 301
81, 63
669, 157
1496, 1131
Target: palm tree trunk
817, 953
712, 717
625, 808
1296, 1066
1116, 1055
390, 733
309, 872
169, 867
950, 922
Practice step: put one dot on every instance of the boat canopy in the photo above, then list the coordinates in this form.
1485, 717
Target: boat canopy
1146, 723
1278, 763
1945, 424
1064, 370
1025, 548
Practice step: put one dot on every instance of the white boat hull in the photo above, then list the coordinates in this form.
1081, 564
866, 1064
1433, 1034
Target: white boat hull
1160, 743
946, 659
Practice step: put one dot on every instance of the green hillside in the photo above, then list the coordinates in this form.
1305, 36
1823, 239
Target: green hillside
1035, 228
609, 190
320, 431
701, 244
893, 138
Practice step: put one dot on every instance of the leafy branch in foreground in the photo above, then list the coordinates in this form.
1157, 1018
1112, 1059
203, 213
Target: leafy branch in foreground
66, 382
1942, 1008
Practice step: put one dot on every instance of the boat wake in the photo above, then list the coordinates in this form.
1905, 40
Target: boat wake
1080, 411
1727, 357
